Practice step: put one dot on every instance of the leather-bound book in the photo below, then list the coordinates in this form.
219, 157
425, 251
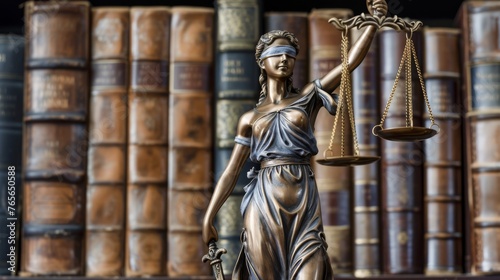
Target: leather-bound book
190, 174
105, 226
296, 23
334, 183
366, 192
481, 59
401, 162
11, 128
443, 153
147, 164
55, 137
237, 31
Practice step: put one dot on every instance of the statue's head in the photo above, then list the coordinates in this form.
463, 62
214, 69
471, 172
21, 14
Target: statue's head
288, 44
268, 38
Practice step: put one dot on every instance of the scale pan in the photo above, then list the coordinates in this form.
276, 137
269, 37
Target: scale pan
406, 134
347, 160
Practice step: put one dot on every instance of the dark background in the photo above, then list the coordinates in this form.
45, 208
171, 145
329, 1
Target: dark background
431, 12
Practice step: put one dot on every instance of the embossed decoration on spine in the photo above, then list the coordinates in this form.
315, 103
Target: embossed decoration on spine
106, 184
55, 137
147, 155
190, 137
237, 28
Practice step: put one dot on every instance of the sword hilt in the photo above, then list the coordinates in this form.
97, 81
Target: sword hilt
214, 256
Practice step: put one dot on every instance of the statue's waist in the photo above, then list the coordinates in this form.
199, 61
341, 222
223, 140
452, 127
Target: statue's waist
283, 161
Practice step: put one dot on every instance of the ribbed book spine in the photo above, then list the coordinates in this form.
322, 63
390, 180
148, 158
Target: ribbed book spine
443, 154
402, 163
238, 27
481, 60
147, 164
107, 161
366, 192
190, 138
55, 137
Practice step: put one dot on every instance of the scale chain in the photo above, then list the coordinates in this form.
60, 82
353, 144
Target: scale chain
340, 111
419, 72
344, 96
349, 103
394, 86
409, 88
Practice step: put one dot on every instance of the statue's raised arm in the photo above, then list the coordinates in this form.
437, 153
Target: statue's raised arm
331, 80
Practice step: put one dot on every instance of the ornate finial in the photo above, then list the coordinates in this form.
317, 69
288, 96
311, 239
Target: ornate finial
214, 256
377, 17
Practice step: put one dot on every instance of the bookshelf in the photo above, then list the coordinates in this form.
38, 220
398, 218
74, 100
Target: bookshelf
425, 10
402, 277
12, 21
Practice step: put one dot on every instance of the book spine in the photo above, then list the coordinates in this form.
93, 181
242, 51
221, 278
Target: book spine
105, 219
55, 137
443, 154
366, 194
482, 104
296, 23
147, 165
401, 163
238, 27
190, 138
11, 134
334, 184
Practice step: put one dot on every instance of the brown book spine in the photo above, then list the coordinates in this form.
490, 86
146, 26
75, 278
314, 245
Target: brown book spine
296, 23
482, 102
443, 156
105, 226
366, 194
334, 184
147, 164
401, 184
190, 137
55, 138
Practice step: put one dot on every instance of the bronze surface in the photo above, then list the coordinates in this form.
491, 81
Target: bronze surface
283, 235
406, 133
348, 160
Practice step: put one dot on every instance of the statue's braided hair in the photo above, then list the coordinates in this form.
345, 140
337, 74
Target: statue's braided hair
264, 42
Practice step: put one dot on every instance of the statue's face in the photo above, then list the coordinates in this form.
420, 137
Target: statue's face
281, 65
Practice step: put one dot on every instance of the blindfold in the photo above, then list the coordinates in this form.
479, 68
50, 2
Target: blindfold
279, 50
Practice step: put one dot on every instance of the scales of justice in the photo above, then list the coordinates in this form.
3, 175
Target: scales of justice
409, 133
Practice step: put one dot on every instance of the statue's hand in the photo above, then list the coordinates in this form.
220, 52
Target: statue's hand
209, 231
377, 8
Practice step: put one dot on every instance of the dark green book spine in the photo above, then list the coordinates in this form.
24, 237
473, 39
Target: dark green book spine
11, 117
236, 91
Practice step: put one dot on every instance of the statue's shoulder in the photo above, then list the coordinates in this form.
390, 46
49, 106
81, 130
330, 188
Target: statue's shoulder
247, 118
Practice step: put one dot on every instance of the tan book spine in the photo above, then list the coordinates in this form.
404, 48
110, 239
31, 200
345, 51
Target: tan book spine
334, 184
147, 141
55, 137
190, 137
105, 227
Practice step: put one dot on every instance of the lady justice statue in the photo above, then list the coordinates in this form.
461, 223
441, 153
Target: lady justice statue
283, 232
